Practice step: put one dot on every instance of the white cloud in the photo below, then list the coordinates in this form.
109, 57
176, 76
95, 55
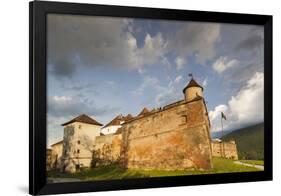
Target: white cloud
205, 82
180, 62
223, 63
247, 105
153, 50
148, 82
171, 93
244, 108
178, 79
217, 112
59, 106
141, 70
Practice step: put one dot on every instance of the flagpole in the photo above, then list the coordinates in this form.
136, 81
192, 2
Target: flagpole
222, 137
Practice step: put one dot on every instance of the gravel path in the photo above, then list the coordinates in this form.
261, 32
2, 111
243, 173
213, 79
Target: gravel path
261, 167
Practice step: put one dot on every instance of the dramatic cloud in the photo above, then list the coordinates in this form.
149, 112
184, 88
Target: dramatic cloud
103, 41
196, 38
245, 108
244, 71
152, 51
252, 43
224, 63
97, 41
73, 106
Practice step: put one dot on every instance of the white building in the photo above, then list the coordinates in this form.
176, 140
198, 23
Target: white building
78, 142
115, 124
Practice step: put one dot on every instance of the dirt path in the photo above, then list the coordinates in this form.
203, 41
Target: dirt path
261, 167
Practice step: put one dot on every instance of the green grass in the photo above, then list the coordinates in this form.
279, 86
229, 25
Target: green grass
255, 162
114, 172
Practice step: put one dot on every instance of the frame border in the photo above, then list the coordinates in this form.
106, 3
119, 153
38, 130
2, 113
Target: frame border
37, 96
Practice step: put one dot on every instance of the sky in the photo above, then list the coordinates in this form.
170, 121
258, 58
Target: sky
104, 66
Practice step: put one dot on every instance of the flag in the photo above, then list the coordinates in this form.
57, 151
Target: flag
190, 75
223, 115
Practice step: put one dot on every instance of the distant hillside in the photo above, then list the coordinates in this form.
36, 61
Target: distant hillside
218, 134
249, 140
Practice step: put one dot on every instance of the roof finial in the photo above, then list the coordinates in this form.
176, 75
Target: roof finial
190, 75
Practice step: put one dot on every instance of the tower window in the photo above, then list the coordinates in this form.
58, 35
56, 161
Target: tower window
78, 142
78, 151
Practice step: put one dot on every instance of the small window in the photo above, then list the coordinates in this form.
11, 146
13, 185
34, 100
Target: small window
78, 142
183, 119
80, 126
78, 151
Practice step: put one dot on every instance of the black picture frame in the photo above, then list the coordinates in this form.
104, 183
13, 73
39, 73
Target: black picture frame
37, 96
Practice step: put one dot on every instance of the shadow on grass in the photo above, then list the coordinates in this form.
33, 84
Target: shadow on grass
113, 172
100, 173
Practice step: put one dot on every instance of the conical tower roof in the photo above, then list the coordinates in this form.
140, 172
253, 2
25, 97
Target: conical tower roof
84, 119
192, 83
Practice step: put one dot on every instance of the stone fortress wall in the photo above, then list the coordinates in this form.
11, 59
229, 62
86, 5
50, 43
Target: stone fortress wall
176, 137
225, 149
107, 149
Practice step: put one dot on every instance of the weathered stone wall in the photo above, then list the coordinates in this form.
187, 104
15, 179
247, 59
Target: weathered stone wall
48, 159
225, 149
56, 155
107, 149
192, 93
176, 137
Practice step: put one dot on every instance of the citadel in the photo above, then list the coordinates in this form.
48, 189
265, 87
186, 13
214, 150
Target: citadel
174, 137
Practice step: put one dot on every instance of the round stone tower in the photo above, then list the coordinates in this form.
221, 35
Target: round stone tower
192, 90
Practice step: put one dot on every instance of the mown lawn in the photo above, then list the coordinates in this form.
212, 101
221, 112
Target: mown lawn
255, 162
115, 172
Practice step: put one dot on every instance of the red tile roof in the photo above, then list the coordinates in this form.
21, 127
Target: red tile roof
118, 120
84, 119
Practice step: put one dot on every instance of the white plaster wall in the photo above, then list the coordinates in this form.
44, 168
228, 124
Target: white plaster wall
110, 129
80, 144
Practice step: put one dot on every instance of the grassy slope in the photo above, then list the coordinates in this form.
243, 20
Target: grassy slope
250, 141
114, 172
255, 162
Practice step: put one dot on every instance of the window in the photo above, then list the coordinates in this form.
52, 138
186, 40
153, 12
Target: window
78, 142
78, 151
80, 126
183, 119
